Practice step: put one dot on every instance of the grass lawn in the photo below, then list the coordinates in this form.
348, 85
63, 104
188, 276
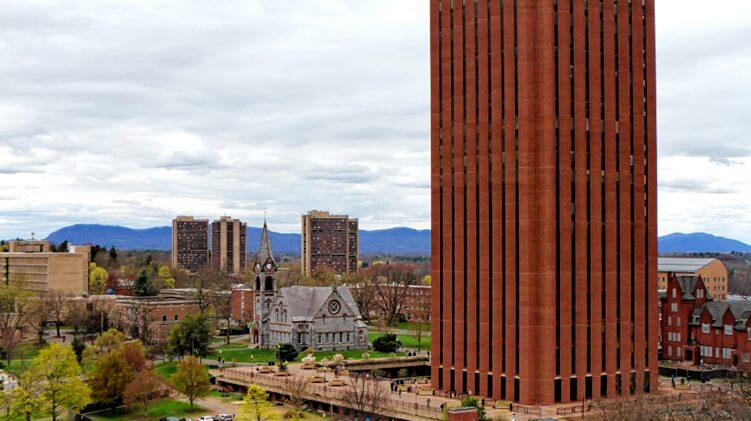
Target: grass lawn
242, 354
158, 409
408, 341
413, 326
165, 369
226, 397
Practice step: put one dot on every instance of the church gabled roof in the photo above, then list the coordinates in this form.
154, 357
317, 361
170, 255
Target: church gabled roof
304, 302
264, 247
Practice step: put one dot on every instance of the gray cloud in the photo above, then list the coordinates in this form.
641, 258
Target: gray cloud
188, 107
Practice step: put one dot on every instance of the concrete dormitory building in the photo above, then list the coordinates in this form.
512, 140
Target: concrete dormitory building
32, 265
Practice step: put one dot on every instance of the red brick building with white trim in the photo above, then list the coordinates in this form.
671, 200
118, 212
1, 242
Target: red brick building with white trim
698, 329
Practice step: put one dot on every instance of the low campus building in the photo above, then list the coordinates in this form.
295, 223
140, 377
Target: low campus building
698, 329
712, 271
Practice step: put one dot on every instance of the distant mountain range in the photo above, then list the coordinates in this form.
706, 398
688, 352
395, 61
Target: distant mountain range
405, 241
699, 242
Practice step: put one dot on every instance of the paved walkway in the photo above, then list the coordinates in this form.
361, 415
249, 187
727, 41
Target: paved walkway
407, 404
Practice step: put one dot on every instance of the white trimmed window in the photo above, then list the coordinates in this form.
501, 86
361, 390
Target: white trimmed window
673, 292
728, 330
670, 321
727, 353
670, 351
674, 307
746, 357
705, 328
678, 321
717, 352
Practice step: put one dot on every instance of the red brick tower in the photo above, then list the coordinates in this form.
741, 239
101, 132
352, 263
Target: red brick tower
544, 198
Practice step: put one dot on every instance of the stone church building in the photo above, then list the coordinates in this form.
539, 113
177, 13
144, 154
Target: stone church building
321, 318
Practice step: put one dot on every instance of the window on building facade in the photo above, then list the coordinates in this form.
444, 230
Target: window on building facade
340, 337
319, 338
746, 357
670, 321
727, 353
670, 351
299, 338
717, 352
673, 292
674, 307
705, 328
679, 337
176, 317
164, 318
728, 330
349, 338
678, 321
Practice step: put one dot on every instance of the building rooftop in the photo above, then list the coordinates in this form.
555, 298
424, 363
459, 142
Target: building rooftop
682, 264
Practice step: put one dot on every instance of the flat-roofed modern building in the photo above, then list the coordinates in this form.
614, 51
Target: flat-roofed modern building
713, 272
544, 221
190, 243
229, 249
31, 265
329, 240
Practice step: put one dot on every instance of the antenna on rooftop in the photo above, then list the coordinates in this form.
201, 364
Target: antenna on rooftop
32, 236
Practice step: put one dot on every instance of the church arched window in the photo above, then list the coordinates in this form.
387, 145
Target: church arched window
269, 284
276, 315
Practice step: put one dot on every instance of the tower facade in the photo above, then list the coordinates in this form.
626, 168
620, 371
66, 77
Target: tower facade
228, 245
330, 241
265, 288
544, 223
190, 243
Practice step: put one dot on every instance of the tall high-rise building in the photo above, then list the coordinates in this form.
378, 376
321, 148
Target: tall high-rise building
228, 248
544, 198
329, 240
190, 243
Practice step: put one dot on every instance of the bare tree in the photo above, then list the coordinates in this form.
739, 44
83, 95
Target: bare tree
59, 305
419, 328
391, 291
363, 291
297, 387
16, 305
40, 311
366, 395
135, 318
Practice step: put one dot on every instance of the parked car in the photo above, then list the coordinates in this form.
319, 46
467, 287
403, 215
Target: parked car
223, 417
186, 419
206, 418
169, 419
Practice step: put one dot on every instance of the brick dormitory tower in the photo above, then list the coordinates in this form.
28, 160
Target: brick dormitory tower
544, 199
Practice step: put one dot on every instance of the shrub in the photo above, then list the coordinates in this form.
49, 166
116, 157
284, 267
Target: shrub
287, 352
386, 343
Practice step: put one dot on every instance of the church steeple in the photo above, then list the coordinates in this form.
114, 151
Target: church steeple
264, 248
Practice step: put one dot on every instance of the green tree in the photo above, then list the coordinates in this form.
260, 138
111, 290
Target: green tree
386, 343
144, 286
97, 279
191, 379
190, 337
78, 347
471, 401
104, 344
108, 379
26, 399
57, 375
113, 255
287, 352
256, 406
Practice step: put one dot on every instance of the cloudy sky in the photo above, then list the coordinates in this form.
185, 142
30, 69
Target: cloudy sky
131, 112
